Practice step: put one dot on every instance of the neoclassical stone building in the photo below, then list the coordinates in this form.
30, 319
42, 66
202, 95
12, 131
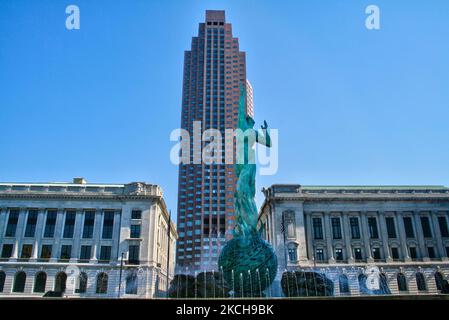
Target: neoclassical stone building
89, 239
343, 230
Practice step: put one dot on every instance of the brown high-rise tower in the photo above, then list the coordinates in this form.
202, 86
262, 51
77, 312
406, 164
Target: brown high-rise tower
214, 70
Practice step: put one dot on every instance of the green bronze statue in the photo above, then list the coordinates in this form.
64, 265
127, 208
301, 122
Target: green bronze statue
247, 261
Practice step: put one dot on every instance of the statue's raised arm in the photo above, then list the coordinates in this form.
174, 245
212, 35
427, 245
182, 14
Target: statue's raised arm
264, 138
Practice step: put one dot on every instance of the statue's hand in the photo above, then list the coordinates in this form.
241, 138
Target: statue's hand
264, 126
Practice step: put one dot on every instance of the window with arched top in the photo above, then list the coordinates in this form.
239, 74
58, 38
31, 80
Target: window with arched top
131, 282
102, 283
2, 280
421, 282
383, 284
19, 282
362, 284
439, 280
60, 282
343, 284
40, 281
402, 282
82, 283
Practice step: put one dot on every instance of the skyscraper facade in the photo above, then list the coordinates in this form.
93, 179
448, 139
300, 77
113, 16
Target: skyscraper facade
214, 71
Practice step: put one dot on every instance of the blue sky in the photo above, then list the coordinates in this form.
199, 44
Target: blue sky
352, 106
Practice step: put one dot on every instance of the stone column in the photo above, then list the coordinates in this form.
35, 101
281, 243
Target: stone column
3, 215
58, 235
328, 237
365, 235
301, 234
97, 236
419, 235
384, 235
437, 235
308, 223
21, 223
402, 236
116, 255
148, 248
347, 237
38, 234
77, 234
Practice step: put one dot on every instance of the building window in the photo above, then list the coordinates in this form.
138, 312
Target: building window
30, 228
39, 282
317, 228
336, 228
86, 252
402, 282
391, 228
105, 253
66, 252
431, 252
292, 253
443, 227
339, 254
395, 253
19, 282
50, 224
427, 232
421, 282
319, 255
355, 228
60, 282
376, 253
135, 231
447, 251
343, 284
7, 251
408, 225
136, 214
102, 283
372, 225
69, 225
358, 254
2, 280
413, 253
12, 223
131, 282
89, 222
134, 252
82, 283
46, 251
27, 250
439, 281
108, 225
362, 284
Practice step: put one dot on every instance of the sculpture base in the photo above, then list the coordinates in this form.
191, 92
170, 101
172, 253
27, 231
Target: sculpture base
249, 265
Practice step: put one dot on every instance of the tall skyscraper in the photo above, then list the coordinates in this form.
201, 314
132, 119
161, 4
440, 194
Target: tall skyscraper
214, 70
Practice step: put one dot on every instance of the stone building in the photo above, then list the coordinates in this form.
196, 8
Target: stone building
83, 238
342, 231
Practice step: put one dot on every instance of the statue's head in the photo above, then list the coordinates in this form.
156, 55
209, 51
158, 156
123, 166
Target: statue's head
250, 121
